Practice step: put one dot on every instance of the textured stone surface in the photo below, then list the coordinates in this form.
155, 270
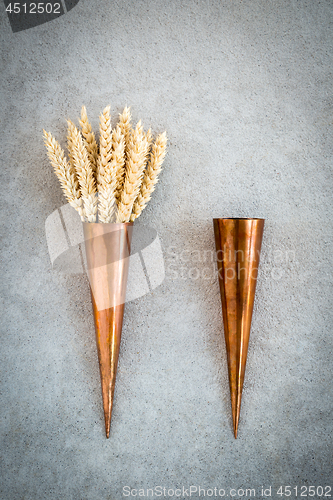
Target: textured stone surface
243, 89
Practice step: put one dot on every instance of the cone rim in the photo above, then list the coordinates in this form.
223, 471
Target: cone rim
238, 218
109, 223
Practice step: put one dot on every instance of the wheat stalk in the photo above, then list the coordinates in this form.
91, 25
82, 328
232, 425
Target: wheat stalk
135, 164
151, 174
65, 173
89, 136
84, 174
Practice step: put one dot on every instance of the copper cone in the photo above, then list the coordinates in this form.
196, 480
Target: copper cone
238, 244
108, 250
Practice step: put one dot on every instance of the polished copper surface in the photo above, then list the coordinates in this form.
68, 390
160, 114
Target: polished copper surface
107, 252
238, 245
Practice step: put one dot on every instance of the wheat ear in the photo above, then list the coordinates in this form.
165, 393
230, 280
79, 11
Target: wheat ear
89, 136
105, 144
151, 174
149, 137
84, 174
135, 164
118, 160
106, 203
70, 145
64, 172
125, 125
106, 177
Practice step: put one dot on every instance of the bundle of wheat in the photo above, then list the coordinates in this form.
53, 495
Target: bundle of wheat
111, 181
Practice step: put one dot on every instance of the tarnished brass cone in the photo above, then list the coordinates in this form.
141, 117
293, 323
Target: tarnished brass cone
238, 245
107, 251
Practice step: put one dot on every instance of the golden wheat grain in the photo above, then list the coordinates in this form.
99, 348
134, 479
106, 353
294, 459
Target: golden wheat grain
64, 172
85, 175
89, 136
135, 164
151, 174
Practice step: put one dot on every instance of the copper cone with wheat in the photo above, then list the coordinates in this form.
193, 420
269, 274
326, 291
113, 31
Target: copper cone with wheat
108, 182
238, 246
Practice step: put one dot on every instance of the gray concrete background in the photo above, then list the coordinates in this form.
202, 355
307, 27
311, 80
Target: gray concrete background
243, 89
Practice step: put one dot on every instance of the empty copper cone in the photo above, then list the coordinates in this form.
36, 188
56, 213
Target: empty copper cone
238, 244
108, 250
